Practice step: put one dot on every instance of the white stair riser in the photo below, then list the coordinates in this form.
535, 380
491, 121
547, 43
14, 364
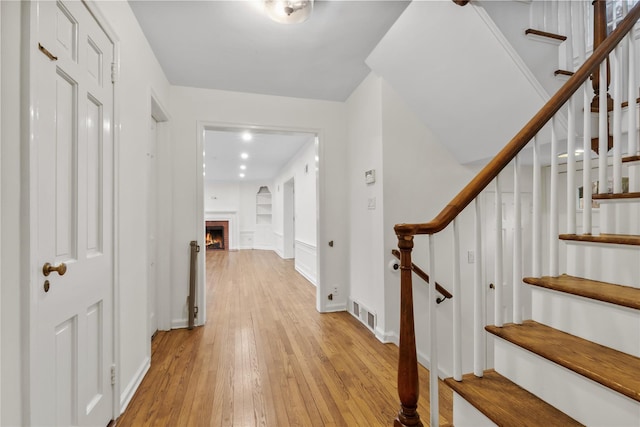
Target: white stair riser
606, 263
582, 399
466, 415
603, 323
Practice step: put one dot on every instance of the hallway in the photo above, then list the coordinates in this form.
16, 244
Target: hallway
267, 358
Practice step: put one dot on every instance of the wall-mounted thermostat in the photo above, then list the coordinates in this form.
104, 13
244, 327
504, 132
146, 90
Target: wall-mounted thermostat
370, 176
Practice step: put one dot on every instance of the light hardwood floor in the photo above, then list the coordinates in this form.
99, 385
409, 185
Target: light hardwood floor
266, 357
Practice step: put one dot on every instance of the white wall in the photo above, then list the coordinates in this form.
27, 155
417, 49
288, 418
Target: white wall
366, 230
140, 75
415, 178
193, 106
421, 177
302, 168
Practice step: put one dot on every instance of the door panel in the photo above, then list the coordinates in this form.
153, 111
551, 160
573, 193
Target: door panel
72, 184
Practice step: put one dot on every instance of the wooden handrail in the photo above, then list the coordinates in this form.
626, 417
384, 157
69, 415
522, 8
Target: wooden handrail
424, 276
522, 138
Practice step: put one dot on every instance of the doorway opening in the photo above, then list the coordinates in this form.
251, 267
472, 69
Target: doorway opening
250, 178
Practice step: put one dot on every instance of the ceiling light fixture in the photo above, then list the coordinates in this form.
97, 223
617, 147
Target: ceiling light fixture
288, 11
246, 136
241, 175
245, 156
243, 167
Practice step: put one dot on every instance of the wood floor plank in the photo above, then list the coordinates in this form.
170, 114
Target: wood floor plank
267, 358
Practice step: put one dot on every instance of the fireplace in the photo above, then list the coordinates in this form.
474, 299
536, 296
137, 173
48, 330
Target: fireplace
217, 235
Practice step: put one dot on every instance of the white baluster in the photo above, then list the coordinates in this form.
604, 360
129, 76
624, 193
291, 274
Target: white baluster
571, 167
603, 131
632, 148
537, 211
457, 307
553, 204
433, 336
616, 79
632, 143
478, 298
586, 161
497, 309
517, 244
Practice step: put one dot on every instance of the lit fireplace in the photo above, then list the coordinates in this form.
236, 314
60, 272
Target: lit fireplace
216, 235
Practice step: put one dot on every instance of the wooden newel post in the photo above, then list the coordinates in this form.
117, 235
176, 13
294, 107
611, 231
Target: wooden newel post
408, 383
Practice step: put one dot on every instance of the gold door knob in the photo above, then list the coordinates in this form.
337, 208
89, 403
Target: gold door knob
48, 268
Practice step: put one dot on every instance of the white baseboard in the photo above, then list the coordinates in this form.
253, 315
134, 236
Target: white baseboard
130, 389
307, 276
263, 247
331, 308
179, 323
387, 337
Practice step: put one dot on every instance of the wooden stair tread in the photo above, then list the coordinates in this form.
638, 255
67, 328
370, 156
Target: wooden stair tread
626, 103
618, 239
506, 403
616, 196
629, 159
539, 33
613, 369
625, 296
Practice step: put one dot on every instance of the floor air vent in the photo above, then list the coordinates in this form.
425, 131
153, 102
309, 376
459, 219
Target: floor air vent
364, 315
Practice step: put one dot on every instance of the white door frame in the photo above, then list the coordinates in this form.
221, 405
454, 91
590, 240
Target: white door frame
288, 219
204, 125
0, 200
29, 238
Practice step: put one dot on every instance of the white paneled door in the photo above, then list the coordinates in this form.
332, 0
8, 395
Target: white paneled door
71, 173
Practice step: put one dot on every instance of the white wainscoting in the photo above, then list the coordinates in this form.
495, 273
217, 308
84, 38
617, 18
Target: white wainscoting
246, 239
232, 218
306, 261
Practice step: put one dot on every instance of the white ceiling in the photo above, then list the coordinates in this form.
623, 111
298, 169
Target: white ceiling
233, 45
268, 153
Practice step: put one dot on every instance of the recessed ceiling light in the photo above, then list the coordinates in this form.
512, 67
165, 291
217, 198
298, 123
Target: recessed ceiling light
244, 156
241, 175
246, 136
243, 167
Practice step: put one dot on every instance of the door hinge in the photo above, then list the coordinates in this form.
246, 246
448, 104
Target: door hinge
195, 312
113, 374
114, 72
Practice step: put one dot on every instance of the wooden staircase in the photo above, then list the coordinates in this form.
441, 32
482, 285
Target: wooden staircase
576, 361
609, 371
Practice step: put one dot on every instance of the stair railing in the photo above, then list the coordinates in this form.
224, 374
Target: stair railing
568, 95
425, 277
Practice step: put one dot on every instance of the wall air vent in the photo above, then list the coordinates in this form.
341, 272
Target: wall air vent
364, 315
